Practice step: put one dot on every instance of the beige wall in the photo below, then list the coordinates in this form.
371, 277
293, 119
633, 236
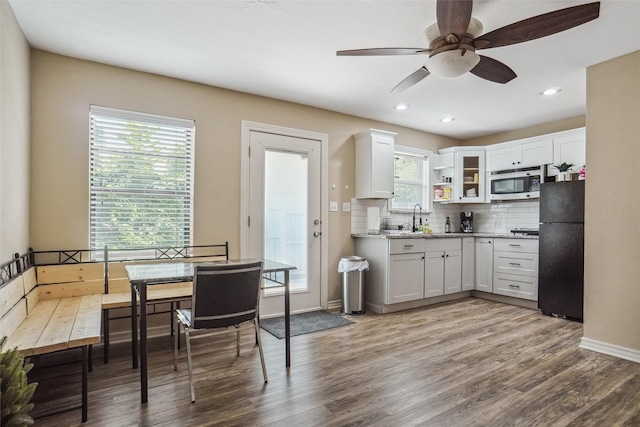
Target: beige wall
543, 129
64, 88
14, 136
612, 219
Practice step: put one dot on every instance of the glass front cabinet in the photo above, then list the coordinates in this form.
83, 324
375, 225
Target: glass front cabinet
465, 175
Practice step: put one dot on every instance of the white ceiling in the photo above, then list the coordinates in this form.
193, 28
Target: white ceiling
287, 50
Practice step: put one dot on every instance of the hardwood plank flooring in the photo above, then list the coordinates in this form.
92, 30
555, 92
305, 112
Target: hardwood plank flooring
467, 363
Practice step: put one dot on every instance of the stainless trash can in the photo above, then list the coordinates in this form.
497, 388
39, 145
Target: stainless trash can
353, 283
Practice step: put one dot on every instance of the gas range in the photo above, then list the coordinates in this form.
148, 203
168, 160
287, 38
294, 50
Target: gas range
526, 231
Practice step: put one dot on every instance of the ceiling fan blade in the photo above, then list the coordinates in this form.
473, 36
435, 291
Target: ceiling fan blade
414, 78
384, 51
493, 70
539, 26
453, 16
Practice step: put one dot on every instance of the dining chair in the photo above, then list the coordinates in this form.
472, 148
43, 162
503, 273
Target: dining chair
225, 299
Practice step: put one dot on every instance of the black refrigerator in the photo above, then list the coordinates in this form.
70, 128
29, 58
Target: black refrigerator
561, 253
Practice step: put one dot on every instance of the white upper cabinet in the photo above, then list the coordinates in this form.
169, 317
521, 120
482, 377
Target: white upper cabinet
520, 154
374, 164
463, 180
569, 147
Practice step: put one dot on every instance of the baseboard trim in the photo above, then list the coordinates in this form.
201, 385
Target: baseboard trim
610, 349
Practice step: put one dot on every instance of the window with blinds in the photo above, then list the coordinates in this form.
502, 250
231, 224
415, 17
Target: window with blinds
141, 180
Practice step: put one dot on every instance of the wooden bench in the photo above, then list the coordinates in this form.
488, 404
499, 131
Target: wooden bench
45, 319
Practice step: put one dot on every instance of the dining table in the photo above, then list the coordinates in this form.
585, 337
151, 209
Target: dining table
143, 275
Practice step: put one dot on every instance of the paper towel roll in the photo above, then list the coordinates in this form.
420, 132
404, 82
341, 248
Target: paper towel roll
373, 220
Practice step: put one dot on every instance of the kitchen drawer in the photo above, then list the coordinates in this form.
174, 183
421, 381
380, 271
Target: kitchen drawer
406, 246
443, 244
516, 245
515, 263
515, 286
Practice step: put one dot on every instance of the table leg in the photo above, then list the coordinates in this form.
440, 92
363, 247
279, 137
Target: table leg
134, 327
143, 343
287, 318
85, 381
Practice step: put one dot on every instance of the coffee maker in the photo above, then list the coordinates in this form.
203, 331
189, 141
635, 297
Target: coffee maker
466, 222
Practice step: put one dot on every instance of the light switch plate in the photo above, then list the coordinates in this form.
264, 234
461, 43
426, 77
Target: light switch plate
333, 206
346, 207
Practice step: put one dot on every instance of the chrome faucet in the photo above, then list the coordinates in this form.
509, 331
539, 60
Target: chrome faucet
414, 229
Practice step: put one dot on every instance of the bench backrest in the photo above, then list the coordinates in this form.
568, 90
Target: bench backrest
17, 296
70, 280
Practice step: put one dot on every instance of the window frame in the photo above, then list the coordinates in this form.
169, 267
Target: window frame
179, 135
426, 177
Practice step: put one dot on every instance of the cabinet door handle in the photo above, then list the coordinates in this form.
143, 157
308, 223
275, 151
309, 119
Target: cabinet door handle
442, 256
447, 255
514, 286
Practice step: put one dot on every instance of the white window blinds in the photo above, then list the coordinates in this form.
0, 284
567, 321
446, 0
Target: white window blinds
141, 180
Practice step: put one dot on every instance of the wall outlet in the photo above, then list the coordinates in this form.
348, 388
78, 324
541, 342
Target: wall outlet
333, 206
346, 207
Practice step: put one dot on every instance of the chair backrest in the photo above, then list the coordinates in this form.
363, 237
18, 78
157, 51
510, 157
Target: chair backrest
225, 294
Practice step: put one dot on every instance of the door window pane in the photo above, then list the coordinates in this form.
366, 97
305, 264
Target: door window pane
285, 212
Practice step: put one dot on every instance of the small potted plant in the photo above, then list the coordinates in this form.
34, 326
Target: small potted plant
564, 171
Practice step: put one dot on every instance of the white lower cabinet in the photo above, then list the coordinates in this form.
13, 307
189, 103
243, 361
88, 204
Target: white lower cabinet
515, 268
484, 265
406, 278
443, 267
468, 263
412, 269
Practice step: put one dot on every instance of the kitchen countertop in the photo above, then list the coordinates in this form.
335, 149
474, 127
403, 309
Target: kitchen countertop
408, 235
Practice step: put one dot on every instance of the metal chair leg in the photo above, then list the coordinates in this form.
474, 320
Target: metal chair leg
256, 325
188, 339
175, 344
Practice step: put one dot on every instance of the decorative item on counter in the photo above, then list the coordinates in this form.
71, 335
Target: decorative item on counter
582, 173
564, 171
447, 226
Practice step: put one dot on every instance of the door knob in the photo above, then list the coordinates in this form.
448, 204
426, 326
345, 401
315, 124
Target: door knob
316, 234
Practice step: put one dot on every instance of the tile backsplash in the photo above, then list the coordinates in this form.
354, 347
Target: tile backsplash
494, 217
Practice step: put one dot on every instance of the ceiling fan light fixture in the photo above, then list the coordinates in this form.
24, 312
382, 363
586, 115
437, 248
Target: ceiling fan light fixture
452, 63
401, 107
447, 119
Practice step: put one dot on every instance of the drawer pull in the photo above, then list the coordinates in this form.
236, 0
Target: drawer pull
408, 246
514, 244
514, 286
514, 263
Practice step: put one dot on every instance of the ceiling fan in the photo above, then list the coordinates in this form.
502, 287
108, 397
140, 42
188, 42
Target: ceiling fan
454, 39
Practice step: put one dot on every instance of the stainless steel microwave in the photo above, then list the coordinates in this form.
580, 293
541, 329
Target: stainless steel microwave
512, 184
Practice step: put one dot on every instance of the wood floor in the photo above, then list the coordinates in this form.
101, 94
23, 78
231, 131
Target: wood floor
467, 363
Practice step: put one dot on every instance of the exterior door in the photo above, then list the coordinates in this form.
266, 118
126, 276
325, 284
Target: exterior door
284, 215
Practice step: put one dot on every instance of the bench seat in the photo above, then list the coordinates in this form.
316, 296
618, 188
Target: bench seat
155, 294
59, 324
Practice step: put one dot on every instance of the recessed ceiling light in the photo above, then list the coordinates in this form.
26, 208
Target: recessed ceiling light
401, 107
551, 91
447, 119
